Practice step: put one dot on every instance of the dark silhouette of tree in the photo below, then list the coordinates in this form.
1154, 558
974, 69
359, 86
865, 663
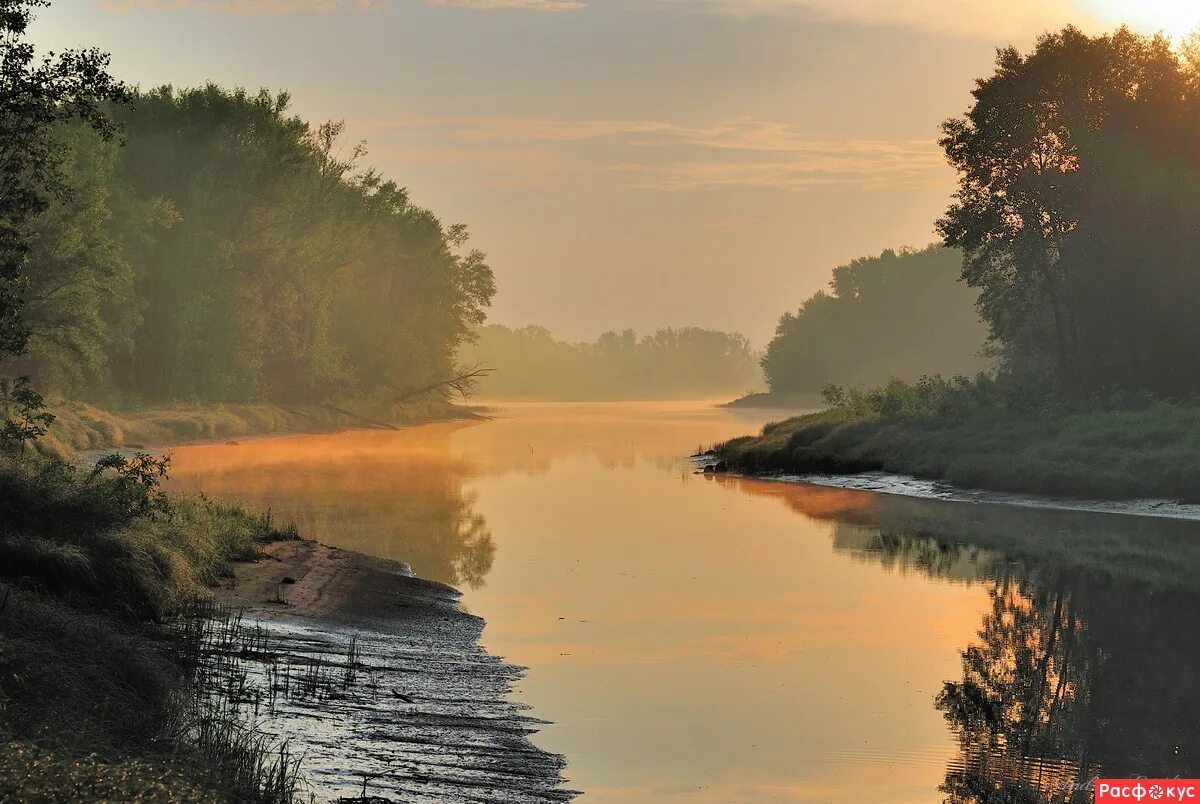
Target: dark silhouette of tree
1077, 209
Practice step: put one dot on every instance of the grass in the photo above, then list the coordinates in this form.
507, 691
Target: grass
95, 702
971, 436
79, 426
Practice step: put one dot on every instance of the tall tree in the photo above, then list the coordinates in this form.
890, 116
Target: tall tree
1079, 192
35, 96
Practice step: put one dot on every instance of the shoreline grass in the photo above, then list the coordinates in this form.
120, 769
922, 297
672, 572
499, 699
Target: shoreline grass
79, 426
1131, 448
95, 700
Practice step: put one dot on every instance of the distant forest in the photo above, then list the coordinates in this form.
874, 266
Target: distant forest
221, 249
672, 363
901, 314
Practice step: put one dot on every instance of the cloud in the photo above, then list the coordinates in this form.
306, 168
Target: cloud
661, 156
988, 19
251, 8
527, 5
241, 8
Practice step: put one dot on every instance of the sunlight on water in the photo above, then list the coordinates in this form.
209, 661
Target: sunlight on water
715, 639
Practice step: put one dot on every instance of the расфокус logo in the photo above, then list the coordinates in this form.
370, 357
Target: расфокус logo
1124, 791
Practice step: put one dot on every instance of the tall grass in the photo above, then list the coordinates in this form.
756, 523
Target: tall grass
94, 694
989, 435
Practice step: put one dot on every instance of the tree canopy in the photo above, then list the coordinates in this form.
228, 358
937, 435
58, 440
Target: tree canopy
901, 314
232, 252
36, 96
1078, 209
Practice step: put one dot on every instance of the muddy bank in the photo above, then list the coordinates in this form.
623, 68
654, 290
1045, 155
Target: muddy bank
907, 486
400, 701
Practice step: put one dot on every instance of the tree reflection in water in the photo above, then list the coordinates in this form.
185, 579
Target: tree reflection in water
399, 495
1074, 675
1085, 661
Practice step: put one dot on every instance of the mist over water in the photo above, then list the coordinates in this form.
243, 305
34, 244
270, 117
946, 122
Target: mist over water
733, 640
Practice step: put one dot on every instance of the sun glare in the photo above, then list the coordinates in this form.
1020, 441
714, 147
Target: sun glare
1175, 18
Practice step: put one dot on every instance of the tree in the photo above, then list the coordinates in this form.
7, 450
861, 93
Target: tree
899, 314
1079, 191
36, 96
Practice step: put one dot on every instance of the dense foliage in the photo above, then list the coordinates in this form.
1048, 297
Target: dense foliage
95, 702
896, 315
672, 363
36, 95
229, 252
1079, 193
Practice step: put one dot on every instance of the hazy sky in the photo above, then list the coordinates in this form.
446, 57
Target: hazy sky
625, 163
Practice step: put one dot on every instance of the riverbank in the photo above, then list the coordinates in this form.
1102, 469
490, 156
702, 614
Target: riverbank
771, 401
1145, 452
128, 668
98, 572
426, 716
80, 427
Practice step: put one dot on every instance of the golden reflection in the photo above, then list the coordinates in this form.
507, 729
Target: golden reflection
719, 639
688, 644
395, 494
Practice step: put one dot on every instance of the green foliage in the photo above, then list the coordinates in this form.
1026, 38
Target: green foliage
990, 434
229, 253
928, 396
94, 700
671, 363
109, 540
1078, 192
24, 412
899, 314
35, 97
137, 480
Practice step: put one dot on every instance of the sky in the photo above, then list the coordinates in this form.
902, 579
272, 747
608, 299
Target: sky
624, 163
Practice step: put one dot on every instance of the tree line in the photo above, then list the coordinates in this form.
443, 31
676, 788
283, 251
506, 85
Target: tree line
530, 362
1074, 226
900, 314
208, 245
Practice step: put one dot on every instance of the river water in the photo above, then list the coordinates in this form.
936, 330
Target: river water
719, 639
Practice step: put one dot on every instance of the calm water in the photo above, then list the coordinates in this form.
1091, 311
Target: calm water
724, 640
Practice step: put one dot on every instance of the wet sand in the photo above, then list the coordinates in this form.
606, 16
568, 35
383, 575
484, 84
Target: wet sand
329, 585
427, 717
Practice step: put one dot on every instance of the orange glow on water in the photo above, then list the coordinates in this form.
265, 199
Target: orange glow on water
692, 638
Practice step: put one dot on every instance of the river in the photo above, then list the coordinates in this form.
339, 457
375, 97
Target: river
719, 639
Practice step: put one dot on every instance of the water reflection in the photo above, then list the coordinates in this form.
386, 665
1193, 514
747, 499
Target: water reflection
1084, 662
396, 494
700, 638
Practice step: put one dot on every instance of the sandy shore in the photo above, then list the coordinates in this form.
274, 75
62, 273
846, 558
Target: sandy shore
306, 580
427, 717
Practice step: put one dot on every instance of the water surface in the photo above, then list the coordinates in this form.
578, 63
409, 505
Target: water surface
717, 639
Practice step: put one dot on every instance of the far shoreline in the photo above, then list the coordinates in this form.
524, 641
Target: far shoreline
81, 429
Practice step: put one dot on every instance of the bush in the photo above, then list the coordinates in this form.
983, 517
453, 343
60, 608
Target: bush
109, 539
